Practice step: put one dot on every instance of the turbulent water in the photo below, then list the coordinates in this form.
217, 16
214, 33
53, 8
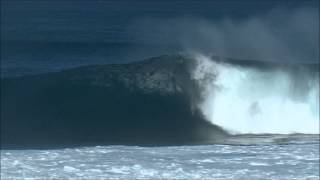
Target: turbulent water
259, 99
248, 157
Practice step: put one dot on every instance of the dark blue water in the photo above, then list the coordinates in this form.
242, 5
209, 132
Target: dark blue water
40, 36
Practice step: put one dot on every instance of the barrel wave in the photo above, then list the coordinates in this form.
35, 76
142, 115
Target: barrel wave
166, 100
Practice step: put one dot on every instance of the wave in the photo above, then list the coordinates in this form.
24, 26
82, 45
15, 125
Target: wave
142, 103
167, 100
258, 98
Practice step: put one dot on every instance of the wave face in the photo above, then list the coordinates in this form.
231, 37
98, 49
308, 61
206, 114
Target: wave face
142, 103
259, 98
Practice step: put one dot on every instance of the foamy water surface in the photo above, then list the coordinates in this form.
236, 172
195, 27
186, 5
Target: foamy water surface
274, 159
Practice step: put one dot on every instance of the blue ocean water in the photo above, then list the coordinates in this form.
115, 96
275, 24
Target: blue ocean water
40, 36
44, 36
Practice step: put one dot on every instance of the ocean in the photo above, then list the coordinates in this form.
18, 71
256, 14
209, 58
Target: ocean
253, 157
88, 90
45, 36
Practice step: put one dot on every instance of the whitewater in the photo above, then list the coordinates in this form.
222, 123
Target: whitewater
254, 100
276, 158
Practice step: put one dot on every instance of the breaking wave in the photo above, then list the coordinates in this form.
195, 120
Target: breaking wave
167, 100
256, 99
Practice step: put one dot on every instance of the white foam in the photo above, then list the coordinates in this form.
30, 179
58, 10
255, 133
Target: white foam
248, 100
258, 164
70, 169
120, 170
187, 162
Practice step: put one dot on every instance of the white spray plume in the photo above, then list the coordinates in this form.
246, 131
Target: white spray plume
281, 34
248, 100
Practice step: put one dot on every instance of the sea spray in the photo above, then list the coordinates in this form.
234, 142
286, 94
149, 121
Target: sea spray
247, 99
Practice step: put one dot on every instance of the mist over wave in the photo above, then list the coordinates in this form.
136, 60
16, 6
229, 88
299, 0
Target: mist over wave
280, 34
249, 99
